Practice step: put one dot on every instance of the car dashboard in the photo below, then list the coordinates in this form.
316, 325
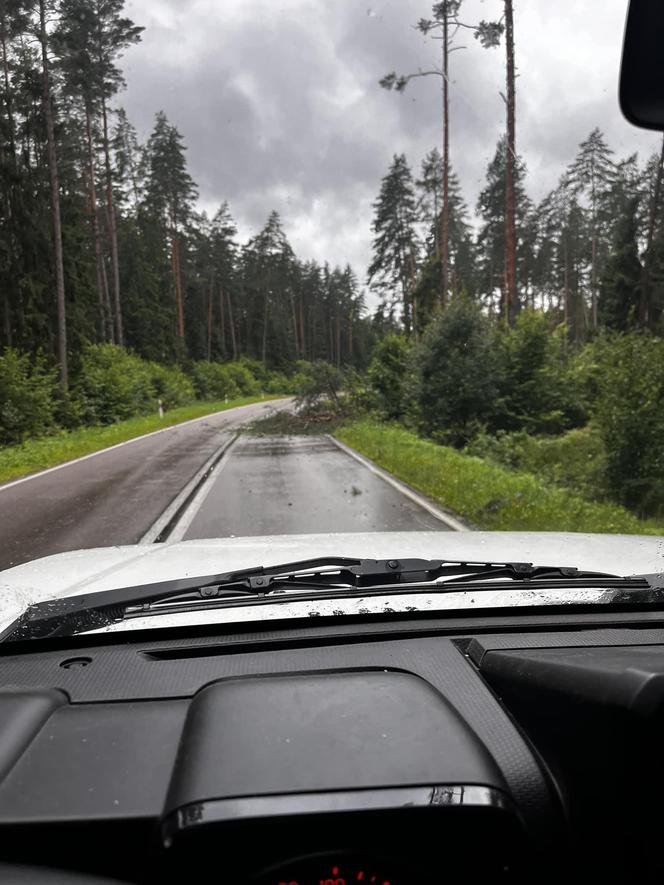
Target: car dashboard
394, 751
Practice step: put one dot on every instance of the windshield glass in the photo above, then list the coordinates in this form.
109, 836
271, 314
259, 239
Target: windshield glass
278, 279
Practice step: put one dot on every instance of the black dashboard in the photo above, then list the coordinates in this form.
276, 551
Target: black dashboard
397, 752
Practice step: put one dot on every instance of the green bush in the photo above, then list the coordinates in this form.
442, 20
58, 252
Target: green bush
318, 381
278, 382
243, 378
389, 374
112, 385
537, 387
455, 374
626, 375
575, 460
28, 398
213, 381
171, 386
256, 369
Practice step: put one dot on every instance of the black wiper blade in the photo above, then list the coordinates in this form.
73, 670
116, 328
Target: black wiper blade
89, 611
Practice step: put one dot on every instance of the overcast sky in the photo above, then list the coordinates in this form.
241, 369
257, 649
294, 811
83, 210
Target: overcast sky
279, 104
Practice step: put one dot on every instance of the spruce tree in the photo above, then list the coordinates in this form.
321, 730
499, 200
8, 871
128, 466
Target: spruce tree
619, 286
393, 269
169, 195
591, 175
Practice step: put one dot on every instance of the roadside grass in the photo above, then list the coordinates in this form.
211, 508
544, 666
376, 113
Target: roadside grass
488, 495
49, 451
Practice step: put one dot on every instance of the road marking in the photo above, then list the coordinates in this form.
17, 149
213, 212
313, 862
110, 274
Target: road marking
16, 482
204, 487
450, 521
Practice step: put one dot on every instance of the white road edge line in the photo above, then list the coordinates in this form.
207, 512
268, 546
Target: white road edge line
454, 524
180, 528
16, 482
167, 515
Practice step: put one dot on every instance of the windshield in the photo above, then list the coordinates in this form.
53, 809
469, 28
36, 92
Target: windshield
312, 279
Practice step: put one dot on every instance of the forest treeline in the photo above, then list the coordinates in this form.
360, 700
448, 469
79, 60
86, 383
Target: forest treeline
590, 254
100, 237
528, 331
512, 321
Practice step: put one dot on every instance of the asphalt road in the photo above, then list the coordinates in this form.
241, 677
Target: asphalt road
293, 485
114, 496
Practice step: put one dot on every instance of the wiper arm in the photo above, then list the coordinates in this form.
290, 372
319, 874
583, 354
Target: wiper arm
89, 611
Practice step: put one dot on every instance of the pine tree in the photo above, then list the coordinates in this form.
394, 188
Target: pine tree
619, 286
650, 306
430, 190
114, 34
49, 119
443, 26
223, 253
169, 195
562, 256
591, 174
268, 266
491, 240
126, 163
489, 34
393, 270
462, 252
90, 37
511, 172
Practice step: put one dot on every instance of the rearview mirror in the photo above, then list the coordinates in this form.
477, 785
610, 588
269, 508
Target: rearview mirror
642, 71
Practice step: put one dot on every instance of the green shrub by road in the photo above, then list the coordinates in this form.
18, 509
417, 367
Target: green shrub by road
575, 460
488, 495
49, 451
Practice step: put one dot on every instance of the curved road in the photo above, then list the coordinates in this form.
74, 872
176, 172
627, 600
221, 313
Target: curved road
113, 496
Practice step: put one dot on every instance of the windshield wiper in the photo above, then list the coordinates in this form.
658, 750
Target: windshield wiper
89, 611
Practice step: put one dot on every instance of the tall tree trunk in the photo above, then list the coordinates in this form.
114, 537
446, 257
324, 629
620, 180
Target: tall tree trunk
350, 338
47, 105
445, 221
645, 305
112, 229
105, 316
231, 323
177, 280
7, 319
11, 186
593, 282
209, 323
337, 339
566, 291
107, 303
302, 331
222, 321
8, 92
264, 343
510, 172
296, 330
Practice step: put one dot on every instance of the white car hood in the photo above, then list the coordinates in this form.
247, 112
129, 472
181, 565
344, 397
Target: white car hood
106, 568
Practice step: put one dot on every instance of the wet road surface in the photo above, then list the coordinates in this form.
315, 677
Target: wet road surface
114, 496
298, 484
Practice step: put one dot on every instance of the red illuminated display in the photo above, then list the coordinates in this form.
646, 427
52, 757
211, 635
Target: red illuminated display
336, 877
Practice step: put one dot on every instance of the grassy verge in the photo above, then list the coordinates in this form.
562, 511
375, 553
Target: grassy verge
49, 451
490, 496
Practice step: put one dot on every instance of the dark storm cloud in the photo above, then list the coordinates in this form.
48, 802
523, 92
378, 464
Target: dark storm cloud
280, 106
